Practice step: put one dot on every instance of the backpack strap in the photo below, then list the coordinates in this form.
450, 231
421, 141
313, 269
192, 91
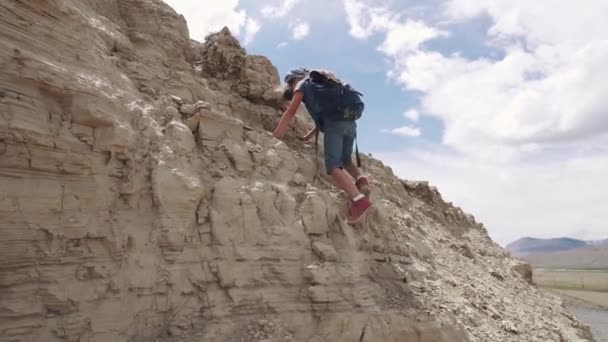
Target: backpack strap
316, 155
357, 154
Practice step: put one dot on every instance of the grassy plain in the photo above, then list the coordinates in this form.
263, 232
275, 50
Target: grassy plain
568, 279
588, 286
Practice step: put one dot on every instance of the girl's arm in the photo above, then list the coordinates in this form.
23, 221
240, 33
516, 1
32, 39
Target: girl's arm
288, 115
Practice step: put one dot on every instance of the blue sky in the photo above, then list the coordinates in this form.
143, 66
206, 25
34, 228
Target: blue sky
356, 61
506, 100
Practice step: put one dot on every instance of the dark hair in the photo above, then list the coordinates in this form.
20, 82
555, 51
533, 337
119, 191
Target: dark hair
296, 73
288, 94
294, 81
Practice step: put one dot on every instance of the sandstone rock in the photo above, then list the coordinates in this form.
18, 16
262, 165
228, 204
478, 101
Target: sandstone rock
314, 214
497, 275
324, 251
114, 139
188, 109
493, 312
180, 137
320, 274
173, 113
237, 155
222, 56
202, 105
193, 121
214, 127
259, 80
252, 77
178, 100
509, 327
323, 294
178, 192
523, 269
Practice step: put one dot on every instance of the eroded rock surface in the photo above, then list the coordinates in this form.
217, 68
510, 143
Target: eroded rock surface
142, 198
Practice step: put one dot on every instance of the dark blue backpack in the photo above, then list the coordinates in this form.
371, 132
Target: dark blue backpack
336, 101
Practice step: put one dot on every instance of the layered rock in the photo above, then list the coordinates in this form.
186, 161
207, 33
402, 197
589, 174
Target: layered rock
142, 198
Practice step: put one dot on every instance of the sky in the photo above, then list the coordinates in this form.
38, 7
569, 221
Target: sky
501, 104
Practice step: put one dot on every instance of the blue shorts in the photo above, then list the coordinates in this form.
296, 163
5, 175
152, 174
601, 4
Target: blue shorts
339, 137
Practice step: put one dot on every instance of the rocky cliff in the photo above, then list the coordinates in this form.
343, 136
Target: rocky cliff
143, 199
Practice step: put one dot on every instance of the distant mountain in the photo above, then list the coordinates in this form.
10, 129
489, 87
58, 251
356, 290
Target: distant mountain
562, 252
589, 257
598, 242
526, 246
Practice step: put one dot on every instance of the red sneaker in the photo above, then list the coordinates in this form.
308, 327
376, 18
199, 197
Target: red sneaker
358, 210
363, 186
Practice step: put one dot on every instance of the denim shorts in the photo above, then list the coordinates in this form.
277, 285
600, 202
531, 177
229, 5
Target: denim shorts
339, 137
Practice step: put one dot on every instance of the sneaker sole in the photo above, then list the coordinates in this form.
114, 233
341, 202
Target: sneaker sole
362, 217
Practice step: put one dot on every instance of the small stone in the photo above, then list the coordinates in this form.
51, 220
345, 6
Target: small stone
509, 326
451, 282
188, 109
493, 312
173, 112
298, 180
379, 257
254, 148
202, 105
178, 100
324, 251
323, 294
497, 275
147, 90
467, 252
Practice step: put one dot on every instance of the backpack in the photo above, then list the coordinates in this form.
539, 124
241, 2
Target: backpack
336, 101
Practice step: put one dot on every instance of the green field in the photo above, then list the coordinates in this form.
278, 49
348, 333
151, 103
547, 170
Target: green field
582, 280
588, 288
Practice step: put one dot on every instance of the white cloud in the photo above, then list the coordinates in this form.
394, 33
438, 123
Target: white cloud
540, 22
545, 198
204, 17
524, 133
407, 37
546, 91
282, 45
412, 115
497, 102
251, 29
299, 30
281, 10
365, 19
406, 131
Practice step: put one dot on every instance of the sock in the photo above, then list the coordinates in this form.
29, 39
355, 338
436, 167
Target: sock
358, 197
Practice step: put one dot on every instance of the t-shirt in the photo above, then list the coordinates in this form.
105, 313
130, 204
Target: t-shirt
310, 102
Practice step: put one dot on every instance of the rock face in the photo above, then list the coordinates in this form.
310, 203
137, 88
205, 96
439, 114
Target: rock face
142, 199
